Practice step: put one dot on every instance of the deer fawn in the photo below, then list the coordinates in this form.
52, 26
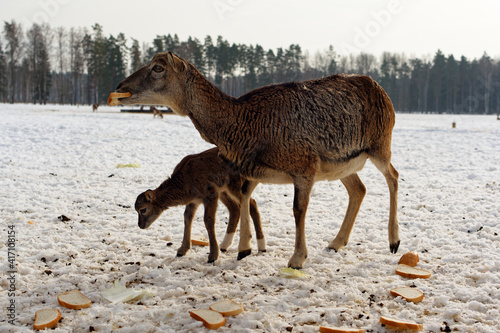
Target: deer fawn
200, 179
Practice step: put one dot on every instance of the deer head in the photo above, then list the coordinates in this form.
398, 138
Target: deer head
147, 209
161, 82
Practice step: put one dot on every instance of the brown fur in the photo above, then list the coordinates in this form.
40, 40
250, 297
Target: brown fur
200, 179
298, 132
95, 107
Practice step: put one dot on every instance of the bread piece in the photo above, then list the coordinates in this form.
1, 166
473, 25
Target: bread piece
409, 258
199, 240
74, 299
211, 319
227, 308
46, 318
113, 98
410, 294
412, 272
323, 329
401, 323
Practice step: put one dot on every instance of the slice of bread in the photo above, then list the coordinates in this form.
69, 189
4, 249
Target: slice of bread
74, 299
323, 329
211, 319
113, 98
410, 294
227, 308
199, 240
46, 318
412, 272
409, 258
409, 325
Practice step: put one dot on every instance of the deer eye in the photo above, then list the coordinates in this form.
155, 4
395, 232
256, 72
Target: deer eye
143, 211
158, 68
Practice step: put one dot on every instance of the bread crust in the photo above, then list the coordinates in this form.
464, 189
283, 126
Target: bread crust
409, 258
113, 98
199, 240
323, 329
404, 292
63, 301
236, 308
412, 272
400, 323
200, 315
50, 324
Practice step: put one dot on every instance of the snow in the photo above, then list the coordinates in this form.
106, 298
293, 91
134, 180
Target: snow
62, 160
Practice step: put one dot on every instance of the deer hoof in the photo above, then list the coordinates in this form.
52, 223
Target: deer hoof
394, 247
244, 254
223, 250
337, 244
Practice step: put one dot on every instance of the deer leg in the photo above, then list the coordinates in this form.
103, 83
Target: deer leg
189, 213
302, 190
257, 223
356, 191
391, 176
234, 219
244, 246
210, 204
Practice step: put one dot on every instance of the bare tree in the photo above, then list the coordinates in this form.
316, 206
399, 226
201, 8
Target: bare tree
39, 45
62, 47
76, 64
14, 34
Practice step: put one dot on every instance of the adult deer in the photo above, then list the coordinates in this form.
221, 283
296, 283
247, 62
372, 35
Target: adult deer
298, 132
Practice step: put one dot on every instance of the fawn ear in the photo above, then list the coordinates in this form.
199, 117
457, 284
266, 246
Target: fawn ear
150, 195
177, 63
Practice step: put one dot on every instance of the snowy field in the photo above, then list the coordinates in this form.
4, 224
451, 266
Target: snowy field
60, 160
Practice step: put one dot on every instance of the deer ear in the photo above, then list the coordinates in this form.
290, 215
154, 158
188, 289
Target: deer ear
177, 63
150, 195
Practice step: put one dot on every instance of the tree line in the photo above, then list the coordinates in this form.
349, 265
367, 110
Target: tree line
82, 66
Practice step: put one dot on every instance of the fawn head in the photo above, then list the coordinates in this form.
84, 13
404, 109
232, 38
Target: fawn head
161, 82
147, 209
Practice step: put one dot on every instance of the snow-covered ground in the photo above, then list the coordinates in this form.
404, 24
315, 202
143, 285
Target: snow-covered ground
60, 160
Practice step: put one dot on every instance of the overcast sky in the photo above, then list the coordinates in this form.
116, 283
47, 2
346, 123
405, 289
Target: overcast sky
416, 27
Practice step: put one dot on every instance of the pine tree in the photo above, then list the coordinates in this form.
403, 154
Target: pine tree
437, 82
209, 57
135, 56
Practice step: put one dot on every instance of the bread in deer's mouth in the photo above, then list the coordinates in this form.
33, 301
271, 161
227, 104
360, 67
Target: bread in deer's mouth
74, 299
113, 98
46, 318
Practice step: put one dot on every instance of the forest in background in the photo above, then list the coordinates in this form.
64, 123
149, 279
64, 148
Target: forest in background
82, 66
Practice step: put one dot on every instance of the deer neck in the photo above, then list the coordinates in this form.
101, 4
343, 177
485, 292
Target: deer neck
171, 193
210, 109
